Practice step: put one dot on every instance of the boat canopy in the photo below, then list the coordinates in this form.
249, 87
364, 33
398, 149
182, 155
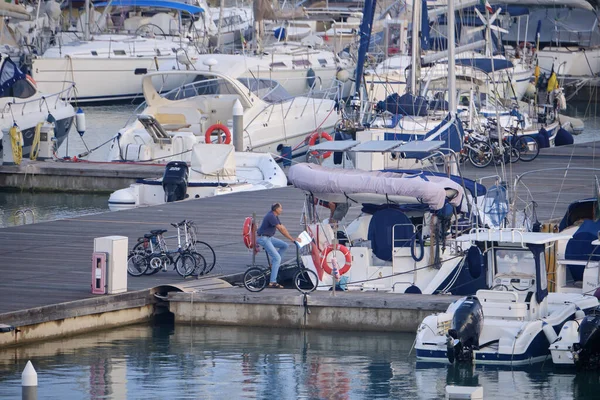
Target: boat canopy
171, 5
373, 186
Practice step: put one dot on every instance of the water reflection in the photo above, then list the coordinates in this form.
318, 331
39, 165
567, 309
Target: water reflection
218, 362
48, 206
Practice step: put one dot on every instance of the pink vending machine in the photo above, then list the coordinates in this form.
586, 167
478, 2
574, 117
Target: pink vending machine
99, 273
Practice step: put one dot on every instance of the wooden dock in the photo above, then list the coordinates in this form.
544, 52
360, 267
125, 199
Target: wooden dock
49, 263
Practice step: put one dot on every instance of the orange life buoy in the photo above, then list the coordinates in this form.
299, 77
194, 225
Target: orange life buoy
312, 140
220, 127
247, 233
327, 268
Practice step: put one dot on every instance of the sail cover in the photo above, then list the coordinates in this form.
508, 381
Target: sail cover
430, 190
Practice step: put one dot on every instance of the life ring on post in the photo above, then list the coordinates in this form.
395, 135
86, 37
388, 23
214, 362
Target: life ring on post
219, 127
312, 140
247, 233
344, 250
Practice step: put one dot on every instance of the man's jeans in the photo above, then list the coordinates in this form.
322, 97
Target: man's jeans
275, 249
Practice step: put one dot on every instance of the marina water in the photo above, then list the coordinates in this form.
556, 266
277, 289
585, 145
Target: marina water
202, 362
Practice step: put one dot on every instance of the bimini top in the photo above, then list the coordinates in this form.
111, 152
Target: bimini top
335, 184
171, 5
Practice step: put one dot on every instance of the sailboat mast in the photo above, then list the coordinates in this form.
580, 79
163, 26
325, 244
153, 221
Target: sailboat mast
415, 46
365, 38
451, 59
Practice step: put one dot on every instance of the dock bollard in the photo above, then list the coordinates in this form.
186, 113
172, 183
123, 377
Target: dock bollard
29, 382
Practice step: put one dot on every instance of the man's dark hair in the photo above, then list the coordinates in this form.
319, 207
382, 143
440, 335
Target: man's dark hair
275, 206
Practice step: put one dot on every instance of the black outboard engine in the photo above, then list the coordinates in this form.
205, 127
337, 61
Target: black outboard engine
587, 351
463, 337
175, 181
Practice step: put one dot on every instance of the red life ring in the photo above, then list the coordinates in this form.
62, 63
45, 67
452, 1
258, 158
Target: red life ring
247, 233
312, 140
220, 127
327, 268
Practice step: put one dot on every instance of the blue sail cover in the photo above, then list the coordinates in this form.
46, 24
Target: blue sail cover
580, 247
171, 5
485, 64
476, 189
425, 32
9, 74
581, 209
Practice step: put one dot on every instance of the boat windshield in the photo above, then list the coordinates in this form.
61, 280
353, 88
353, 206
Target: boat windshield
515, 262
266, 89
201, 86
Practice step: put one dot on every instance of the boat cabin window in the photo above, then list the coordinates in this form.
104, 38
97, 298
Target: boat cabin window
301, 63
268, 90
119, 52
514, 262
202, 85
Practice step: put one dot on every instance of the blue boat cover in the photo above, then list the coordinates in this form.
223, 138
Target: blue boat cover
380, 232
563, 138
9, 74
172, 5
407, 104
485, 64
580, 209
580, 247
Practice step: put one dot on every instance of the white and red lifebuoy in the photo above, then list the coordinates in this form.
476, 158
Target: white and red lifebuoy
247, 234
312, 140
218, 127
344, 250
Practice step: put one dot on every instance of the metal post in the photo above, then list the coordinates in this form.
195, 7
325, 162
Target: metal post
238, 126
29, 382
451, 63
253, 236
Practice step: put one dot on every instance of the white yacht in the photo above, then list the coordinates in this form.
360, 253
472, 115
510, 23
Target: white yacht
201, 111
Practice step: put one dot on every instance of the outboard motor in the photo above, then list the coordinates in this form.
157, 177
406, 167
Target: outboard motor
175, 181
463, 337
587, 351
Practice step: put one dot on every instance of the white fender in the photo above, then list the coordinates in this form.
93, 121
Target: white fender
549, 332
80, 121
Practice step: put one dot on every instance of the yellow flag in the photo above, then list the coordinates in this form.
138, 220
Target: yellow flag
536, 74
552, 82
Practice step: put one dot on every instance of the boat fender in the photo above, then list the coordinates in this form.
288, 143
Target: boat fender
417, 238
549, 332
474, 262
311, 79
413, 289
218, 127
342, 75
312, 140
579, 313
16, 141
344, 250
35, 145
80, 121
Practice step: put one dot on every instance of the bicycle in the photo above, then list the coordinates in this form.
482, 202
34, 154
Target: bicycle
199, 247
256, 277
151, 254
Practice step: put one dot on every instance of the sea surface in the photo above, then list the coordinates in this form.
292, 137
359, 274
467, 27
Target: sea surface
196, 362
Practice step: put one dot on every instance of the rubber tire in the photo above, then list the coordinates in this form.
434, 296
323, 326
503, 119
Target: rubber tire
255, 279
474, 155
304, 281
185, 264
137, 264
525, 145
200, 264
207, 252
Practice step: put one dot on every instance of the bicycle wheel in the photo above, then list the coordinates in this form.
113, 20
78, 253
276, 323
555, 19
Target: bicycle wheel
480, 154
528, 148
136, 263
306, 281
185, 264
514, 154
207, 252
255, 279
200, 264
